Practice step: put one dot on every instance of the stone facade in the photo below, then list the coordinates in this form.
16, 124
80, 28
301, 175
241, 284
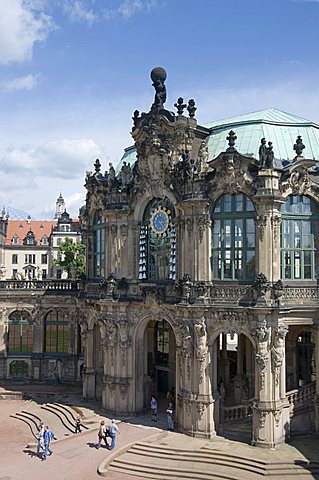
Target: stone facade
187, 256
123, 366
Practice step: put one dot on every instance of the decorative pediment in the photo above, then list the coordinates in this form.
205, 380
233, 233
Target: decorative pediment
296, 177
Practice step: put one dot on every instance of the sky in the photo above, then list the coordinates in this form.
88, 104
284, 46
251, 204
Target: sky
72, 72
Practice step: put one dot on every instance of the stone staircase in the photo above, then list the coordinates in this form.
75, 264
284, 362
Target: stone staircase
160, 462
59, 417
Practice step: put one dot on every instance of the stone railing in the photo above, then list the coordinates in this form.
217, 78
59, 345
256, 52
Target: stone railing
301, 396
55, 285
299, 294
237, 412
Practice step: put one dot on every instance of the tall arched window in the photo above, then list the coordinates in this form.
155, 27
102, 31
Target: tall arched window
20, 332
299, 238
233, 232
158, 241
57, 332
98, 245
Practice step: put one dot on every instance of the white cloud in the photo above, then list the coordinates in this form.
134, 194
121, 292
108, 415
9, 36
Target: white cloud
55, 159
28, 82
21, 26
79, 12
127, 8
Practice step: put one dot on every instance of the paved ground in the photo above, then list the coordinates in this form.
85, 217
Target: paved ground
75, 457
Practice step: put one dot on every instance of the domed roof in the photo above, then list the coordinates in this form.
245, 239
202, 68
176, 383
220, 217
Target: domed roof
274, 125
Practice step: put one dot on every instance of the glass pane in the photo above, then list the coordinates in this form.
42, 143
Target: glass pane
239, 203
227, 233
227, 265
287, 264
297, 265
227, 203
238, 233
250, 264
249, 205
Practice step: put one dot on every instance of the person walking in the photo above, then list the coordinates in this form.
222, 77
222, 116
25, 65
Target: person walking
78, 424
39, 436
102, 433
170, 412
154, 409
47, 437
112, 429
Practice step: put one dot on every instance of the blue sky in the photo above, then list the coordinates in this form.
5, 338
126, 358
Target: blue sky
73, 71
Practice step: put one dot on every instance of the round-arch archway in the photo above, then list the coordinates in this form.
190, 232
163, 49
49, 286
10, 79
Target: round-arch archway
155, 361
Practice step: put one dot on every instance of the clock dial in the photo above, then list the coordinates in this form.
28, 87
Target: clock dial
159, 221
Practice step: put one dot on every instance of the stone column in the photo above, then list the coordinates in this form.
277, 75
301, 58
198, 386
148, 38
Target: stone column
271, 410
269, 202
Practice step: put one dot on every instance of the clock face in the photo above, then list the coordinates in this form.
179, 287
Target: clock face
160, 221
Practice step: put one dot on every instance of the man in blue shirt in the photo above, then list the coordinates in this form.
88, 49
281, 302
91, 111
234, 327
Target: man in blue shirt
47, 437
112, 429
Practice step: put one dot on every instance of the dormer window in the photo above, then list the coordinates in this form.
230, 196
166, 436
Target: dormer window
15, 240
30, 239
44, 240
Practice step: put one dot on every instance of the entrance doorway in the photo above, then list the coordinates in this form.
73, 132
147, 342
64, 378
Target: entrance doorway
160, 350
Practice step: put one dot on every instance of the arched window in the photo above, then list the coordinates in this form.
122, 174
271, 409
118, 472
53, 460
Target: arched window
20, 332
57, 332
98, 245
233, 232
299, 238
158, 242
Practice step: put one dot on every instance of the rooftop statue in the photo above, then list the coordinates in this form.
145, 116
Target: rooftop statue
263, 153
299, 146
270, 156
158, 75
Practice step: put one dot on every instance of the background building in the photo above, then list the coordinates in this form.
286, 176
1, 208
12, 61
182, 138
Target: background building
31, 245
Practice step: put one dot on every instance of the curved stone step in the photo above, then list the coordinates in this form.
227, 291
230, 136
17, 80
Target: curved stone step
70, 413
200, 456
53, 410
27, 420
163, 472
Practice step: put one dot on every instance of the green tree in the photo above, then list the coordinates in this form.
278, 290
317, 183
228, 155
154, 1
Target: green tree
72, 258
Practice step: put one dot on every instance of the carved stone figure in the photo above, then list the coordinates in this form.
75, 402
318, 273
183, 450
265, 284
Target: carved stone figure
263, 153
111, 333
158, 75
270, 156
111, 176
201, 334
191, 108
125, 174
123, 327
180, 105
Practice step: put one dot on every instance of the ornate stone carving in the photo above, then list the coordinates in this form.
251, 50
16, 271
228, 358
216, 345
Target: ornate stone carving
202, 223
123, 390
191, 108
124, 337
261, 286
184, 287
261, 225
201, 346
184, 343
234, 322
124, 232
158, 76
300, 181
275, 223
299, 146
180, 106
109, 285
278, 349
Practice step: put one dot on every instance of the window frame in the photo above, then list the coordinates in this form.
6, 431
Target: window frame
292, 256
58, 325
17, 323
227, 213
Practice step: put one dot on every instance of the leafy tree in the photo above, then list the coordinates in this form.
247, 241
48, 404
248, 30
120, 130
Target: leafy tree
72, 257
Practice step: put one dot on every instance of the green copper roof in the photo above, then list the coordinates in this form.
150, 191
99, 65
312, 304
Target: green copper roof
129, 157
275, 126
278, 127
